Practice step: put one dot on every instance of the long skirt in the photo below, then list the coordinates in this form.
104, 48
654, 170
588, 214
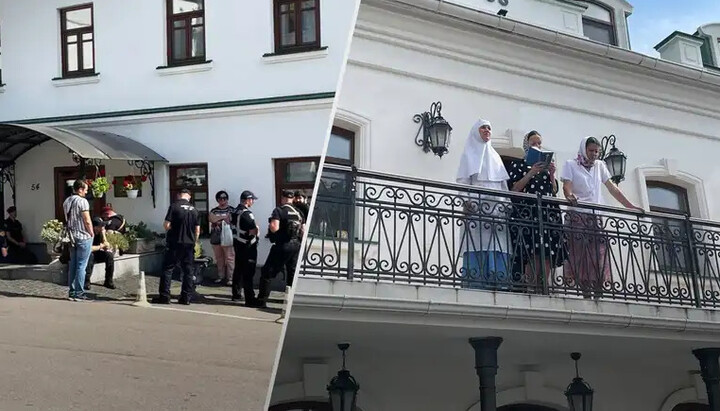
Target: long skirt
588, 265
489, 270
486, 258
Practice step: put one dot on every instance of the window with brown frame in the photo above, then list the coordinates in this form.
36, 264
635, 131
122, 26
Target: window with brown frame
332, 217
194, 177
77, 41
598, 28
671, 252
297, 25
295, 174
185, 32
1, 82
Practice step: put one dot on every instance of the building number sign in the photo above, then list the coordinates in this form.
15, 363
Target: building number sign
502, 2
35, 187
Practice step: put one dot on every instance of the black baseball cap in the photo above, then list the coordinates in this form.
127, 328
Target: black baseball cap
11, 209
288, 194
299, 193
184, 191
248, 195
98, 222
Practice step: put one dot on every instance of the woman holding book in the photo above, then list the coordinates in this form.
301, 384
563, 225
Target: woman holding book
537, 252
588, 266
484, 241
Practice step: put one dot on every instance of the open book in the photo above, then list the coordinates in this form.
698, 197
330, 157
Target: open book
535, 155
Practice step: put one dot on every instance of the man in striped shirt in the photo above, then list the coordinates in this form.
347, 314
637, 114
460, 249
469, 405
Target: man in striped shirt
77, 218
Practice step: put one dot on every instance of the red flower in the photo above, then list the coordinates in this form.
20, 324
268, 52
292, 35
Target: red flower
126, 184
144, 179
102, 172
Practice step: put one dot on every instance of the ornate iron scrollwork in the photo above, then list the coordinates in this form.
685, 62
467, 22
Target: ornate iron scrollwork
83, 163
147, 169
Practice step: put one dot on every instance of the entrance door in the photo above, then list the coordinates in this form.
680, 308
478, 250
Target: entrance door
525, 407
63, 191
302, 406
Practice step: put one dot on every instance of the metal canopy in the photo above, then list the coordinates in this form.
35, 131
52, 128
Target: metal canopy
17, 139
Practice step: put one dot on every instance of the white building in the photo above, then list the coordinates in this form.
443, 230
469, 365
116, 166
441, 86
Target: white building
399, 301
216, 95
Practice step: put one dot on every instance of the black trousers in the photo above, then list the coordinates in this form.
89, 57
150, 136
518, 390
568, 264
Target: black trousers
244, 273
101, 256
282, 257
182, 256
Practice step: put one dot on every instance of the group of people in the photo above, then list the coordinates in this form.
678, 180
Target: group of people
579, 249
89, 242
13, 248
236, 262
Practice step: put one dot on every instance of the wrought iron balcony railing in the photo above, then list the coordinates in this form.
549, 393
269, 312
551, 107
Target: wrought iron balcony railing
370, 226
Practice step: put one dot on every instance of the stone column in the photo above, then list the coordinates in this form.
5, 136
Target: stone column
710, 372
486, 366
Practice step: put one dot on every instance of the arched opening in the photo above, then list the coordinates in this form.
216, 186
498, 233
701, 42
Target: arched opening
526, 407
691, 406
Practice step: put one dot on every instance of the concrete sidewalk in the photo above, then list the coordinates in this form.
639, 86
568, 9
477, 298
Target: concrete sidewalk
62, 355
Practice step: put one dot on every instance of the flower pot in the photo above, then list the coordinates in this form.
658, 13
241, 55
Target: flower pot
132, 193
70, 183
141, 245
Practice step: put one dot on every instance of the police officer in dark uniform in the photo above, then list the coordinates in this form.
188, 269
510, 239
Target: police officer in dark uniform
285, 232
245, 243
183, 229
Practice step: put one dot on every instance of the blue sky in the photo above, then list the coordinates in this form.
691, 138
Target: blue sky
653, 20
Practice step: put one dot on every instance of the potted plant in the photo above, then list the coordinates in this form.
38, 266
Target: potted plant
50, 234
117, 241
132, 185
140, 238
99, 186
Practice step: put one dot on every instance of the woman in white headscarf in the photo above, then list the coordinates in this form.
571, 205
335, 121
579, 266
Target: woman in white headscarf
485, 241
588, 266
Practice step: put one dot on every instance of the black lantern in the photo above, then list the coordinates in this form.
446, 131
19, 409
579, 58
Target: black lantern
614, 159
578, 393
343, 389
435, 131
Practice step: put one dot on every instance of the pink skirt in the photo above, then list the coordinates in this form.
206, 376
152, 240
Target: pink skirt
587, 265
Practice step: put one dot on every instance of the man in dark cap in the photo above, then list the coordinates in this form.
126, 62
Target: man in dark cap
300, 204
100, 253
245, 243
285, 231
183, 229
17, 249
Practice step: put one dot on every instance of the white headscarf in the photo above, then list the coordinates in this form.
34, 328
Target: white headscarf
481, 156
582, 158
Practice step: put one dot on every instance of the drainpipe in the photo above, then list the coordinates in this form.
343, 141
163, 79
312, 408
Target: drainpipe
710, 372
486, 366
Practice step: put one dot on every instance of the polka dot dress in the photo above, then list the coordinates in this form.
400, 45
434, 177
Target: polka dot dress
527, 238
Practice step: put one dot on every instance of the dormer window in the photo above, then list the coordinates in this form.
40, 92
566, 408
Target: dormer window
599, 23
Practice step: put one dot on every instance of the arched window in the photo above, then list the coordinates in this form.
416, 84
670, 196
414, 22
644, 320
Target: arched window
599, 23
525, 407
691, 406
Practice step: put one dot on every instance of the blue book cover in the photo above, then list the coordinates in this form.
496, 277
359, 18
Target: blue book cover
535, 155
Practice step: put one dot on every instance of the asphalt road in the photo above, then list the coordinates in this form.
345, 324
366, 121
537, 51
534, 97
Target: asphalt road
61, 355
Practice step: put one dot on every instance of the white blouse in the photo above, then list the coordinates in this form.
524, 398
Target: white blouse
586, 184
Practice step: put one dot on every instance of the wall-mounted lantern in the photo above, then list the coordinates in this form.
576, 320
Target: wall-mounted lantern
435, 130
615, 159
